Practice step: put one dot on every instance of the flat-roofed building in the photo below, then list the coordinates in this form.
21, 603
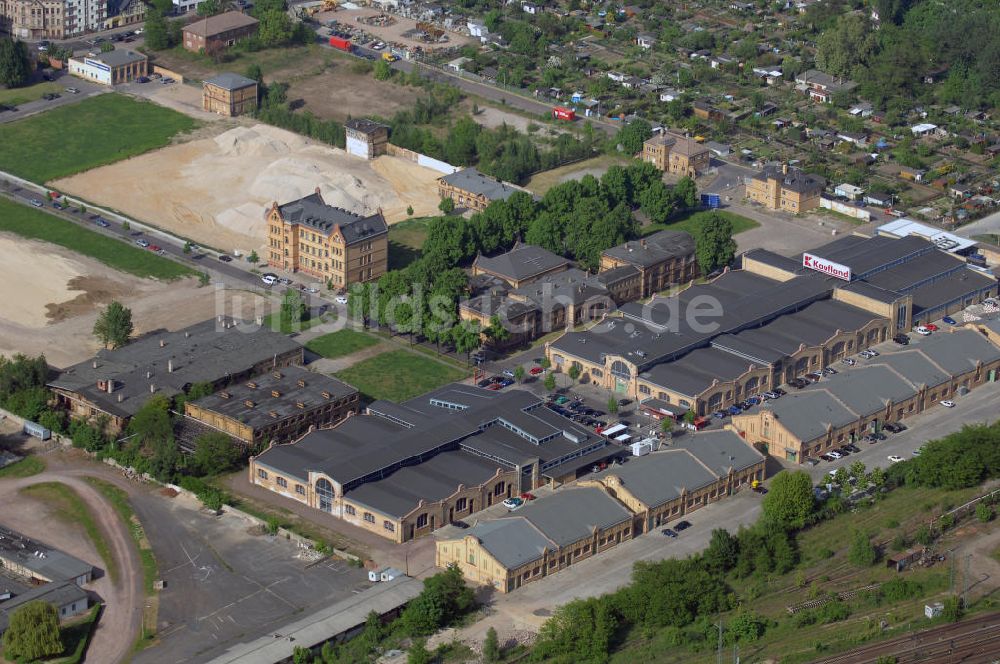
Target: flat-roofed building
116, 383
39, 563
229, 94
366, 138
326, 242
277, 406
111, 68
663, 259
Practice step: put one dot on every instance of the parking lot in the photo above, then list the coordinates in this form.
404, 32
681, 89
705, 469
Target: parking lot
225, 585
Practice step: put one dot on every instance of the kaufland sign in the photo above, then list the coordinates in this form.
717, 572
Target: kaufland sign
826, 267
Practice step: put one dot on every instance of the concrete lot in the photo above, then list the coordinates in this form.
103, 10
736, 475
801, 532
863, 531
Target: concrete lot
225, 586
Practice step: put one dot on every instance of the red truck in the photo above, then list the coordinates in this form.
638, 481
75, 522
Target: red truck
561, 113
341, 43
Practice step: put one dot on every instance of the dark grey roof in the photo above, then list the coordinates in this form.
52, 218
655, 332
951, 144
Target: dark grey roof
119, 58
571, 514
206, 352
617, 274
956, 287
51, 565
513, 542
654, 249
570, 285
229, 81
499, 305
364, 125
660, 477
57, 594
807, 414
871, 291
774, 260
865, 255
720, 450
866, 390
959, 351
474, 182
522, 262
905, 277
311, 211
695, 372
294, 385
794, 180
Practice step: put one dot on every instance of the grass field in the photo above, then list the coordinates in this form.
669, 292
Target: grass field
341, 343
596, 166
274, 322
37, 225
690, 223
406, 241
398, 375
97, 131
69, 507
18, 96
26, 467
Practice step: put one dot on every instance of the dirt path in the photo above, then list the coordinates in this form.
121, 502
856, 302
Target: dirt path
328, 366
119, 624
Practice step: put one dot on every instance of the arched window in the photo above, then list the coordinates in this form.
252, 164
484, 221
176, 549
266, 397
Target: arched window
752, 385
715, 401
838, 350
325, 492
620, 370
802, 366
422, 520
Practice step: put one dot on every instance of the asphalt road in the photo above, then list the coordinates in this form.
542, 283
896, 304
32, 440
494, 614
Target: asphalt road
86, 89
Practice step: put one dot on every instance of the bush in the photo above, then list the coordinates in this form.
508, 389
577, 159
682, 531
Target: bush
984, 512
900, 588
862, 553
832, 612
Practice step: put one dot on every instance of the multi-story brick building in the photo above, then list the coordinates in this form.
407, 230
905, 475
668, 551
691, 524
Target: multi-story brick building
219, 31
51, 19
366, 138
326, 242
277, 406
782, 188
470, 189
663, 259
676, 154
229, 94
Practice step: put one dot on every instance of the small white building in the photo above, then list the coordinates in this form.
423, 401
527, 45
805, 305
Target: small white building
849, 191
923, 129
669, 95
478, 29
389, 573
645, 40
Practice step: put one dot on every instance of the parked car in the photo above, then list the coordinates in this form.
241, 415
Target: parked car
485, 382
949, 320
947, 403
513, 503
341, 299
155, 248
142, 79
35, 202
103, 223
527, 496
720, 414
932, 327
507, 372
284, 281
735, 410
901, 339
826, 457
894, 459
849, 361
835, 454
922, 330
142, 243
225, 258
534, 371
269, 279
669, 532
811, 461
813, 376
829, 371
918, 451
681, 525
896, 427
872, 352
462, 525
852, 447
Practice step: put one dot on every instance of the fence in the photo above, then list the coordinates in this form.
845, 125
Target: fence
843, 208
168, 73
421, 159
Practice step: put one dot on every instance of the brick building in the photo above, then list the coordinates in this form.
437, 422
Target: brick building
676, 154
219, 31
663, 259
366, 138
229, 94
326, 242
783, 188
470, 189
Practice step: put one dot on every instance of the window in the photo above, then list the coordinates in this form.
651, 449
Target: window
644, 389
472, 559
349, 509
261, 473
389, 525
369, 517
299, 489
282, 482
498, 489
422, 520
461, 505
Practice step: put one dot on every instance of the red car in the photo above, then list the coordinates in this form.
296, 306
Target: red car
527, 496
153, 247
932, 327
536, 370
494, 386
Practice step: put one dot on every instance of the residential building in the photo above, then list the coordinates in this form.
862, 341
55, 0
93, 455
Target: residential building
784, 188
366, 138
326, 242
218, 32
404, 470
602, 511
126, 12
521, 265
845, 407
116, 383
33, 19
663, 259
822, 87
468, 188
230, 94
278, 406
111, 68
676, 154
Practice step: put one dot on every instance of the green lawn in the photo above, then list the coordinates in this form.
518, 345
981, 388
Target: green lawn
406, 240
69, 507
275, 322
77, 137
37, 225
341, 343
690, 222
398, 375
26, 467
18, 96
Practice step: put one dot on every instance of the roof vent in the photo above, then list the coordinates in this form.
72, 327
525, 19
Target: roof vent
326, 395
299, 404
273, 414
252, 385
249, 403
275, 393
162, 343
301, 383
277, 375
224, 394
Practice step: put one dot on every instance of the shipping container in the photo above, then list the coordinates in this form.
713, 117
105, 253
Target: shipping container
341, 43
712, 201
562, 113
37, 430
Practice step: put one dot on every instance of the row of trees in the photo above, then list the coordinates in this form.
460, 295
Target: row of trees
275, 29
15, 64
962, 459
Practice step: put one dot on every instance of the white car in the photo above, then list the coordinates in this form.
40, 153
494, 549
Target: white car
918, 451
947, 404
849, 361
922, 331
269, 279
894, 459
341, 299
835, 454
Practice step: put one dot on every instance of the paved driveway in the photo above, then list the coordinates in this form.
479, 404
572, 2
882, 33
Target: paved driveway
86, 89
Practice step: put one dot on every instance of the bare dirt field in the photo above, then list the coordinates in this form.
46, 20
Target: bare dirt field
215, 190
56, 315
396, 30
340, 92
595, 166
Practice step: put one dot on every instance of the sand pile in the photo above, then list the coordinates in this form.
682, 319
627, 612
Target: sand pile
26, 292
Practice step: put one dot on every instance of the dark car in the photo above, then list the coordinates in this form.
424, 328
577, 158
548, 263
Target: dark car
854, 448
780, 392
901, 339
460, 524
624, 402
681, 525
485, 382
142, 79
735, 410
670, 533
225, 258
826, 457
720, 414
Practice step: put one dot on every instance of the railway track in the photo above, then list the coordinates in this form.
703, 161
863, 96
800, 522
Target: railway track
975, 641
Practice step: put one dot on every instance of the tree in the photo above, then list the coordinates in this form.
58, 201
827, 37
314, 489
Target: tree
409, 210
114, 326
862, 553
214, 453
275, 27
33, 633
491, 647
155, 35
714, 243
633, 135
519, 373
107, 47
790, 501
657, 202
187, 248
747, 627
252, 257
685, 193
612, 404
574, 371
722, 551
984, 512
418, 653
848, 45
496, 332
382, 71
447, 205
466, 338
15, 67
209, 8
293, 308
550, 381
953, 609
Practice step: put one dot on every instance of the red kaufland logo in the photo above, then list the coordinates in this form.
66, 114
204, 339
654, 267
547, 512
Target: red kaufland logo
826, 267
